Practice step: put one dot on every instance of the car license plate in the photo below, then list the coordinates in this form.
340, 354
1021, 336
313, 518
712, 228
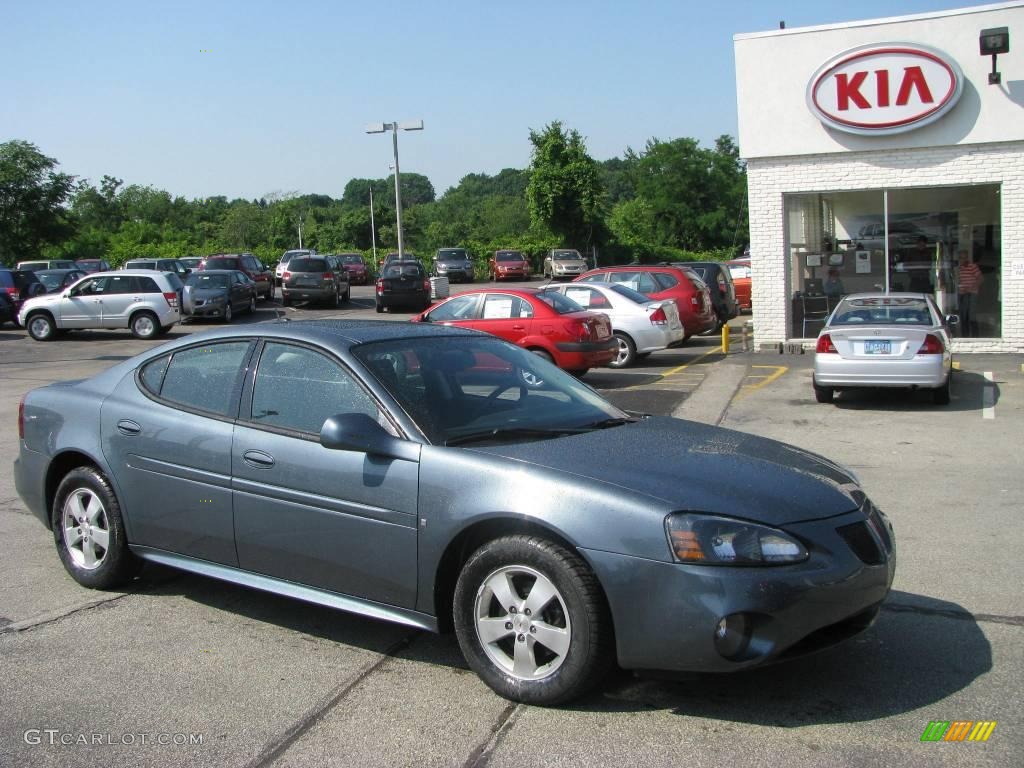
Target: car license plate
877, 347
307, 281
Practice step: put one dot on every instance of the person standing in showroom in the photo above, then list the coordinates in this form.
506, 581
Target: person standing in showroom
968, 286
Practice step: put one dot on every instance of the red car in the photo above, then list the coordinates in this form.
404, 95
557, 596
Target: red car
691, 294
741, 278
355, 265
504, 265
548, 324
247, 263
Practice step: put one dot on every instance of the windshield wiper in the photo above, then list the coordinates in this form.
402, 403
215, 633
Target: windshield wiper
606, 423
503, 433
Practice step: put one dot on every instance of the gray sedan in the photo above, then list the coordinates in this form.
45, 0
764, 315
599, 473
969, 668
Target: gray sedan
444, 478
884, 340
218, 293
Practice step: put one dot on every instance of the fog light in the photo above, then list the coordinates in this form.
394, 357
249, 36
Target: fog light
732, 635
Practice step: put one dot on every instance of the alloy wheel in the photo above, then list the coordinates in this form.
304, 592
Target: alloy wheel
86, 529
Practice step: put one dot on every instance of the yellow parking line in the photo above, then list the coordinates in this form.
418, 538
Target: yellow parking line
956, 365
767, 378
678, 368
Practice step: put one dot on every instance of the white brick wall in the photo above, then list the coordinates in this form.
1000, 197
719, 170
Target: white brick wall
769, 179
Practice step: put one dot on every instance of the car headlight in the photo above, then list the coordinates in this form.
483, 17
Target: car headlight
712, 540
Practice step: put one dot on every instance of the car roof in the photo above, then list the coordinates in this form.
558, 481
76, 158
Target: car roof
131, 273
523, 291
894, 295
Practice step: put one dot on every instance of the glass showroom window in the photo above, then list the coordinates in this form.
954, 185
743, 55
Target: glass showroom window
943, 241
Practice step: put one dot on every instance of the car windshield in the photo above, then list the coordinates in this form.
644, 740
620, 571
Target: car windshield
882, 310
564, 255
452, 254
562, 304
51, 280
509, 256
308, 265
203, 280
221, 263
478, 389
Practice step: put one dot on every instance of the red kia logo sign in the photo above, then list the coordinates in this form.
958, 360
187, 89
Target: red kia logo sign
883, 89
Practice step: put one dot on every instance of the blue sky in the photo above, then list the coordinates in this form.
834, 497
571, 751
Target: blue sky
246, 99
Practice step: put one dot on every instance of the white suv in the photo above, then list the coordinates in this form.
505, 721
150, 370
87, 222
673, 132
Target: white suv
145, 301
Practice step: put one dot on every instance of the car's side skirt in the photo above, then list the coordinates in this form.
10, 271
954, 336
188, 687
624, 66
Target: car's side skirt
289, 589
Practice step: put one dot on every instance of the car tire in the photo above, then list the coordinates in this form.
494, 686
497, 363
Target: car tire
544, 653
626, 354
252, 305
940, 396
41, 327
286, 301
379, 308
229, 313
335, 300
823, 394
144, 325
89, 531
348, 295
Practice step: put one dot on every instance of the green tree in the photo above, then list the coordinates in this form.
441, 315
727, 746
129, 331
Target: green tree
32, 197
564, 193
243, 227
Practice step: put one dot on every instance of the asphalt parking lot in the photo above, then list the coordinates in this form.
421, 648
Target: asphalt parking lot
184, 671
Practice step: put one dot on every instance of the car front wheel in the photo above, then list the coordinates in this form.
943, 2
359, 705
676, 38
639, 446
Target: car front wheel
41, 327
89, 531
532, 621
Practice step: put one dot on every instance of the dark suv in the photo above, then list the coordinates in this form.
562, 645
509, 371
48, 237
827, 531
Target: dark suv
247, 263
321, 277
20, 284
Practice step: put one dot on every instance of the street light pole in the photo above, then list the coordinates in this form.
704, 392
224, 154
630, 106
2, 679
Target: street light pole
373, 229
409, 125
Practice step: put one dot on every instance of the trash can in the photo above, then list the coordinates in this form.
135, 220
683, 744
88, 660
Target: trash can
439, 288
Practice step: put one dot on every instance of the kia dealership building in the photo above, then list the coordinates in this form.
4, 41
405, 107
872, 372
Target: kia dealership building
886, 155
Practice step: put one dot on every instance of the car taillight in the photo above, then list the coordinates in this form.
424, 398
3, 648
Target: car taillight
21, 418
285, 275
579, 330
380, 285
172, 299
426, 285
825, 344
328, 275
932, 345
658, 317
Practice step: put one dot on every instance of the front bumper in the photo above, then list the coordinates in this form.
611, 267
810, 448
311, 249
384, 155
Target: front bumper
455, 273
665, 613
926, 371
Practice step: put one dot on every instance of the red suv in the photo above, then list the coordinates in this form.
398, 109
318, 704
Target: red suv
691, 294
546, 323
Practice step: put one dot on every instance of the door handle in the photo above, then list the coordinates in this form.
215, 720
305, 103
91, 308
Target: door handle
128, 427
258, 459
518, 327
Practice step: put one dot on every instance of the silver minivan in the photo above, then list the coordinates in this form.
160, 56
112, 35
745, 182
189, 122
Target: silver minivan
142, 300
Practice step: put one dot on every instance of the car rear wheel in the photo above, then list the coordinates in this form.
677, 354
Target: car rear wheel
286, 300
626, 354
144, 325
89, 531
228, 312
940, 396
379, 308
824, 394
335, 299
252, 304
41, 327
532, 621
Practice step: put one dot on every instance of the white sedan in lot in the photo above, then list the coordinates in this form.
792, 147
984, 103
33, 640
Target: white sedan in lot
884, 340
641, 325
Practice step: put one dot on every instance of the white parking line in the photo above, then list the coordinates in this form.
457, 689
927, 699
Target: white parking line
988, 397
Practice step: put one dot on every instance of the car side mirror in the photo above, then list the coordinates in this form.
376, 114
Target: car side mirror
952, 320
359, 432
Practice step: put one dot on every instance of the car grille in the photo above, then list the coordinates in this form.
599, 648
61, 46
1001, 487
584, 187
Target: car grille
869, 539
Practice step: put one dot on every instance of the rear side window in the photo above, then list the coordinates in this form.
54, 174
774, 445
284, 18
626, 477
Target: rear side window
144, 285
222, 264
152, 374
644, 282
174, 281
664, 281
298, 388
119, 284
205, 377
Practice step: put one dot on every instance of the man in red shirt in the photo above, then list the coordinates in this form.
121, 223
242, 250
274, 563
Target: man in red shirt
968, 286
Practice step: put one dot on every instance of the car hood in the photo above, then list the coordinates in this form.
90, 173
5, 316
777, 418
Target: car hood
692, 466
43, 300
